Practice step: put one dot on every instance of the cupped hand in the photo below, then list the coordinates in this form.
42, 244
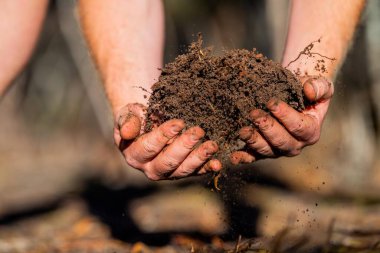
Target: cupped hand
165, 152
285, 131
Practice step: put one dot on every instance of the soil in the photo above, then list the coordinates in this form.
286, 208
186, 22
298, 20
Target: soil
217, 93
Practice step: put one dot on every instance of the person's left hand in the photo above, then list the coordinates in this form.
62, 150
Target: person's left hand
285, 131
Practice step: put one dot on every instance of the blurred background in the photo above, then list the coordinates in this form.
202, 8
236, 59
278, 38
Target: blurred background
61, 174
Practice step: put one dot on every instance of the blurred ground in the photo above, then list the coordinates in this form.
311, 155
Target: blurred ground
64, 187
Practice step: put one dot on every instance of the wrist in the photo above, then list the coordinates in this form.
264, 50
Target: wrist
128, 87
319, 58
312, 67
130, 94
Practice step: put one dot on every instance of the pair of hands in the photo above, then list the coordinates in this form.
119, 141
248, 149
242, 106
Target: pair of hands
165, 153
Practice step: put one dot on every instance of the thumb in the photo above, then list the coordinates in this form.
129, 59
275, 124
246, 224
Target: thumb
130, 121
318, 88
131, 127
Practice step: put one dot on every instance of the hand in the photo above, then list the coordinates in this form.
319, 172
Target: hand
285, 131
163, 153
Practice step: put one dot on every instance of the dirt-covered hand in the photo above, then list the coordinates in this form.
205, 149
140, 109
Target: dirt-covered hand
165, 152
285, 131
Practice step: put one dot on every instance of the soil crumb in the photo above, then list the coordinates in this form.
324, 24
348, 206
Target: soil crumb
217, 93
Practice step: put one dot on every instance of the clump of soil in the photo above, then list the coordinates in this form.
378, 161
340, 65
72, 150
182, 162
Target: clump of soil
218, 92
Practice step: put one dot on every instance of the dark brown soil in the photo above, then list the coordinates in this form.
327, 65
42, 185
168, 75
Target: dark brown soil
218, 92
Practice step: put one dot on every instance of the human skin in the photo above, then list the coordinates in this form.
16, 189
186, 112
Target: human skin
285, 131
126, 39
20, 25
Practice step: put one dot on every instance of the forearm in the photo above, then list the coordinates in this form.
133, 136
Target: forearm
126, 41
20, 24
333, 21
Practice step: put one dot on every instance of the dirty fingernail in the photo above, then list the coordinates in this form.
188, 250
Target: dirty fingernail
124, 119
256, 114
245, 133
213, 146
176, 128
312, 89
194, 137
235, 158
273, 104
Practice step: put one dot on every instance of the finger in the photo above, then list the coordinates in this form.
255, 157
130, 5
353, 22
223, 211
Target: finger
318, 88
131, 127
196, 159
256, 142
275, 134
213, 165
245, 133
239, 157
169, 159
146, 147
129, 121
304, 127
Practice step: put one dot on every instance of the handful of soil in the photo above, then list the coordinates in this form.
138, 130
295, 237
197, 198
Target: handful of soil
217, 93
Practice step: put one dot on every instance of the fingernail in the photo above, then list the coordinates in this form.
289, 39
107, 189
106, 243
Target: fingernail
316, 89
257, 116
235, 159
176, 128
209, 151
194, 137
214, 146
253, 138
124, 119
245, 133
273, 104
196, 133
311, 82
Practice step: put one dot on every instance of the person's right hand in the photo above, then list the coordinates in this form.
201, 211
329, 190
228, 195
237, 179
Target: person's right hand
163, 153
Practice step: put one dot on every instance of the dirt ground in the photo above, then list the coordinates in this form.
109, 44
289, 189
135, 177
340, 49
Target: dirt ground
102, 220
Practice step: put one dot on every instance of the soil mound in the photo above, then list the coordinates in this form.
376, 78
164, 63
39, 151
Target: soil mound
218, 92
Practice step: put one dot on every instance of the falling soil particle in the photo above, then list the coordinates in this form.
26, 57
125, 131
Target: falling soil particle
217, 93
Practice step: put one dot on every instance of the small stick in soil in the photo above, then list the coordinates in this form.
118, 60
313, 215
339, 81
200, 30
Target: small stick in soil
237, 245
307, 52
143, 89
278, 240
329, 233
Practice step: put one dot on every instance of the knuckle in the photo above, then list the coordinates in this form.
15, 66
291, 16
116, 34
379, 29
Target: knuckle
298, 129
169, 163
183, 172
204, 154
188, 143
267, 151
148, 147
294, 152
152, 176
131, 161
295, 149
314, 139
169, 129
280, 143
